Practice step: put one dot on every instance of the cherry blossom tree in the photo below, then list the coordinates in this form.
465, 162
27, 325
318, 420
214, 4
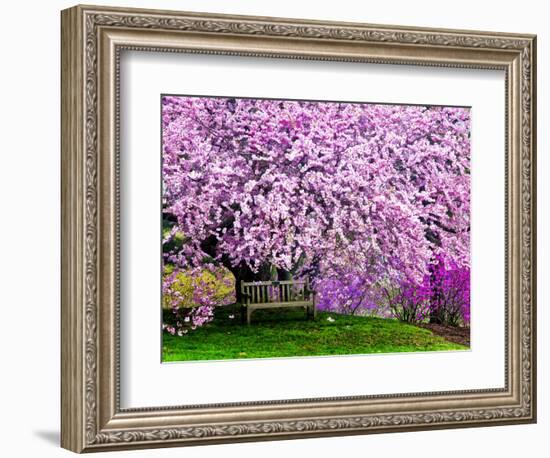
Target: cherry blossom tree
323, 189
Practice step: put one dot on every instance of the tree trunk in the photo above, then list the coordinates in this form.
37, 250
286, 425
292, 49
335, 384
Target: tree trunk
283, 275
241, 273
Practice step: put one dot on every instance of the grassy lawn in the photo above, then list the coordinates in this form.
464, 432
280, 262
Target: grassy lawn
286, 332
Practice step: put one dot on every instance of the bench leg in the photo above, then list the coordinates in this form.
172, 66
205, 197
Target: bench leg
248, 315
311, 311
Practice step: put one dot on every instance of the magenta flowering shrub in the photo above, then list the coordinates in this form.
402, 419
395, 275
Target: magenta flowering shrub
409, 301
449, 292
353, 196
443, 296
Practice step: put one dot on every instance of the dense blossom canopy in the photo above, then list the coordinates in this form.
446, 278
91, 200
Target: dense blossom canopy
323, 189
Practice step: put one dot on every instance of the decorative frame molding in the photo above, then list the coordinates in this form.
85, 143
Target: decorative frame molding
92, 38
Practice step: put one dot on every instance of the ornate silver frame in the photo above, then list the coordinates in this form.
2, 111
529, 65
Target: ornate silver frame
92, 38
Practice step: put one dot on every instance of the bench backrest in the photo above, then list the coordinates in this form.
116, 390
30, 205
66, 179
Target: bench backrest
286, 291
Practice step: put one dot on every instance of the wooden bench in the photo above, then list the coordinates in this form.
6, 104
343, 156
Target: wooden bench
273, 294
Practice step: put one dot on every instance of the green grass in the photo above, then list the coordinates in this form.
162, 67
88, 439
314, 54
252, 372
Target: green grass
286, 332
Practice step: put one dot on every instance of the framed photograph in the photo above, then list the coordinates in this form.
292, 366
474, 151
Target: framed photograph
278, 228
